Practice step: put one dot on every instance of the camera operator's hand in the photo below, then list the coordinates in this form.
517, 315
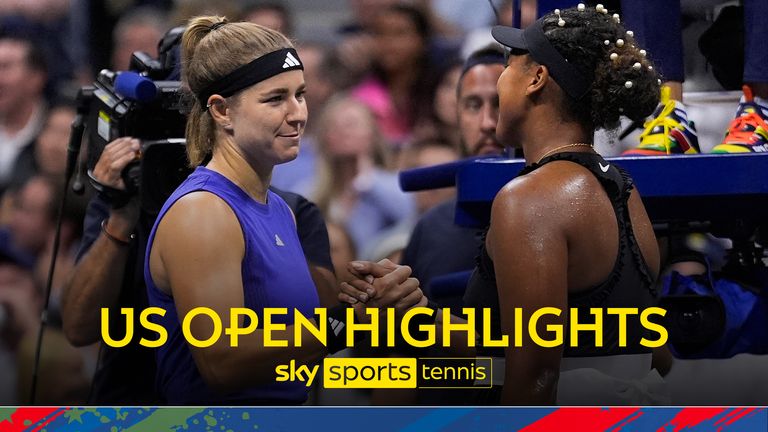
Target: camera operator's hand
115, 157
108, 171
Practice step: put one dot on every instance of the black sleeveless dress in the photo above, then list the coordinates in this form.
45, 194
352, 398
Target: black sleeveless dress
629, 285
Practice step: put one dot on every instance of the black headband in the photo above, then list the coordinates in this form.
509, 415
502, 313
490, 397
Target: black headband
533, 40
258, 70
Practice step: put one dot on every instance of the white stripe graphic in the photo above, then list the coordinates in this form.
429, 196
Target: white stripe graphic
290, 60
293, 60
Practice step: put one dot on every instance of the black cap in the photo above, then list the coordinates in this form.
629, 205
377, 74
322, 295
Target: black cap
532, 39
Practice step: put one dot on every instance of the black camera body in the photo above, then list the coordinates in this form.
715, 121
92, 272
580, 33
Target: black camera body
157, 118
112, 116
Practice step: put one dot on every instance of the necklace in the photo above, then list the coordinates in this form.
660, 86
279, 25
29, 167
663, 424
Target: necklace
562, 147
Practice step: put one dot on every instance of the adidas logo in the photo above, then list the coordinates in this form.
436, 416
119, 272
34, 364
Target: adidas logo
336, 325
279, 241
290, 61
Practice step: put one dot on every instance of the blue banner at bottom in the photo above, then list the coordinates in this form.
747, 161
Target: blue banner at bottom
369, 419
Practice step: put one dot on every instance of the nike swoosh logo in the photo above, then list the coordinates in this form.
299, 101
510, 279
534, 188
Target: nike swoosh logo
604, 168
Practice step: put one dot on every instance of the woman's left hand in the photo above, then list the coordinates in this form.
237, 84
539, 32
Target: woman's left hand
383, 284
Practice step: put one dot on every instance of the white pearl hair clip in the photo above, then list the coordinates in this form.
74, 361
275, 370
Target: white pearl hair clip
643, 53
637, 66
614, 56
600, 8
606, 42
560, 20
581, 7
616, 18
650, 68
630, 33
628, 84
619, 42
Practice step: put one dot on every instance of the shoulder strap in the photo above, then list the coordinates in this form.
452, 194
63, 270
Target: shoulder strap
616, 182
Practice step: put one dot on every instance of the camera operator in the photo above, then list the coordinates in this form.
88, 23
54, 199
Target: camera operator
109, 274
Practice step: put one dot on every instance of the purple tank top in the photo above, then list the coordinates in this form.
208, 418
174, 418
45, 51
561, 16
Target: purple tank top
274, 273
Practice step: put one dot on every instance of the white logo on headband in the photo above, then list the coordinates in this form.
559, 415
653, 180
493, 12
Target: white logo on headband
290, 60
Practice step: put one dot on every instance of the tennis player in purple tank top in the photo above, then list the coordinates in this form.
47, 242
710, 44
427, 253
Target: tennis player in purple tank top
222, 240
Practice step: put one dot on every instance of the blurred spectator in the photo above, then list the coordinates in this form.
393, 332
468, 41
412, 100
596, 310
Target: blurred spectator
390, 243
92, 27
51, 148
31, 228
45, 22
481, 37
364, 13
478, 102
23, 76
401, 87
353, 189
356, 48
321, 72
183, 10
342, 250
464, 15
442, 123
38, 10
48, 154
31, 223
138, 30
270, 14
20, 306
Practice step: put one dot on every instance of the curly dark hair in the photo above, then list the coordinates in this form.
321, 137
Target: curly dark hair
582, 42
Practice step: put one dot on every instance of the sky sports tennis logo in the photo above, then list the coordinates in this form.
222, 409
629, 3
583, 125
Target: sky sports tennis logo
337, 372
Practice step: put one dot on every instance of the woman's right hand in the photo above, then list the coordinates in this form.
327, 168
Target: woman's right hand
381, 285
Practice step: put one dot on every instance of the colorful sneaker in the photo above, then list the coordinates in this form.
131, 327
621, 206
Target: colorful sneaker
669, 132
748, 132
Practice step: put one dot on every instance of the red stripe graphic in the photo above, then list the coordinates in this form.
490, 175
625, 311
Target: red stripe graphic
730, 414
582, 419
48, 420
736, 416
627, 421
689, 417
23, 418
